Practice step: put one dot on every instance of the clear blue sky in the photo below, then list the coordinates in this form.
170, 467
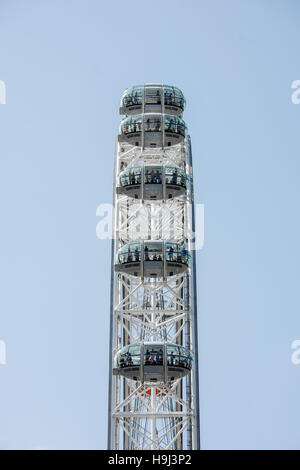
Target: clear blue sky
65, 65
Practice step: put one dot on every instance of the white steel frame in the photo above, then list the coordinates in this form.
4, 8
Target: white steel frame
164, 415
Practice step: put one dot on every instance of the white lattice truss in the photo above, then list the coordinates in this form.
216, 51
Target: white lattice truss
152, 416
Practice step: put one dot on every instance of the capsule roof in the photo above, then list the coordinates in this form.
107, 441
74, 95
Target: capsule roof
152, 98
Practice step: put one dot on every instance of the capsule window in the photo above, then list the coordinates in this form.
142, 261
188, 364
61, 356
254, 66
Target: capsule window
173, 97
152, 123
132, 96
153, 356
153, 252
153, 175
152, 96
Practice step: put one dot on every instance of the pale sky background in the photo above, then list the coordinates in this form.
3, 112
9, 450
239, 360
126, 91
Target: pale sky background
65, 64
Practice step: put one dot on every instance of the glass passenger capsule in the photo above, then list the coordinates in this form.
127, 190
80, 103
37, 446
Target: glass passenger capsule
152, 182
152, 99
152, 130
152, 259
153, 362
